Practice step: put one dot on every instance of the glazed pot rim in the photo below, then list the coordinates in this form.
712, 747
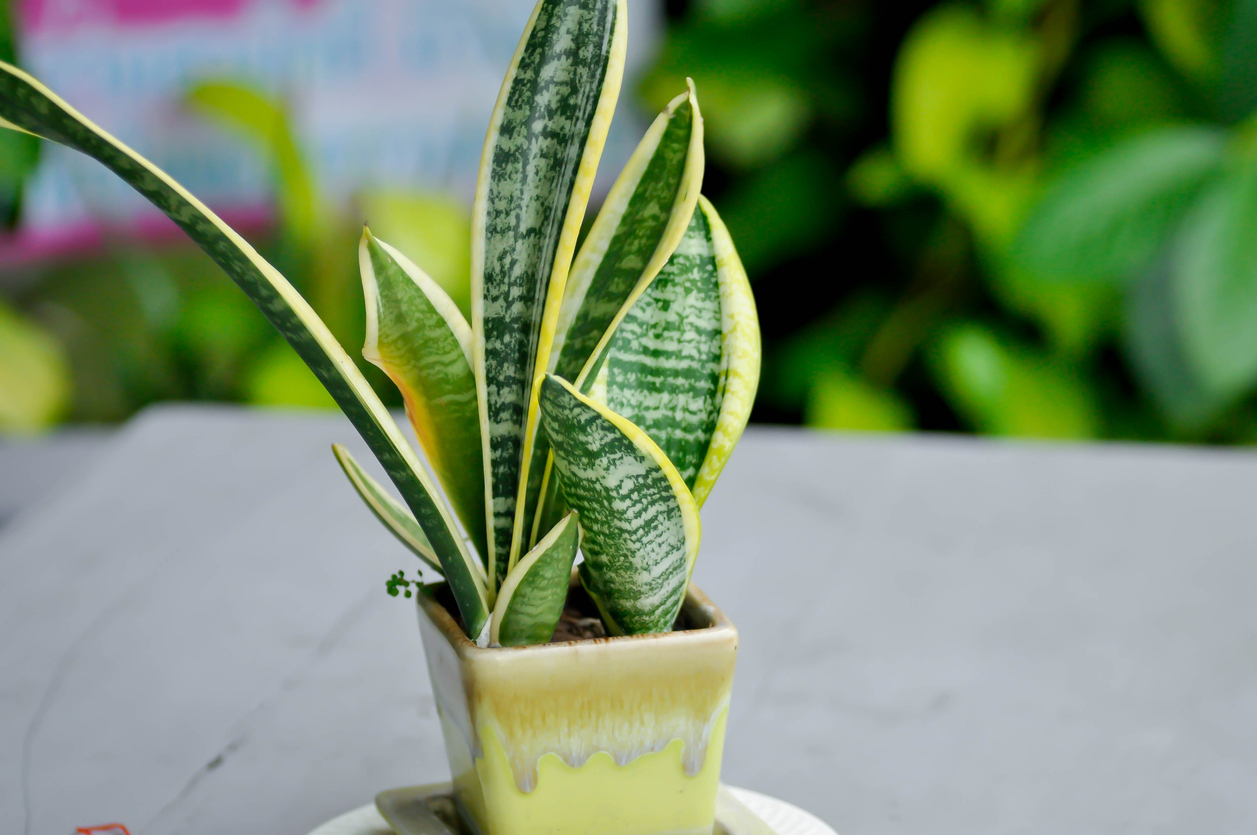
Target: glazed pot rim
698, 607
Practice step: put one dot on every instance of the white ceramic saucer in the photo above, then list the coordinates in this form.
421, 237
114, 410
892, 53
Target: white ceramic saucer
784, 818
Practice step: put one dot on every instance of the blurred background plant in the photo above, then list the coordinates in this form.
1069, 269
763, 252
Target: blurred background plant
1013, 217
1016, 217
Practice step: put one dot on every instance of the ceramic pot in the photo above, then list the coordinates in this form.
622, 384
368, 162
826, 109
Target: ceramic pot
612, 736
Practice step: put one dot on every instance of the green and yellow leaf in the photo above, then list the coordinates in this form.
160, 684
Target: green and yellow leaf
433, 228
684, 363
740, 354
640, 524
663, 369
532, 597
545, 138
641, 222
417, 336
388, 510
27, 105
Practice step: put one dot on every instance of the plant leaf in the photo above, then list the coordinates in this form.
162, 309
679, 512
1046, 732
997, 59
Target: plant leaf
1004, 389
416, 335
740, 355
27, 105
388, 510
956, 75
1106, 218
1154, 347
1187, 32
640, 523
640, 224
433, 229
663, 370
532, 597
264, 121
34, 377
1214, 268
545, 137
643, 220
680, 424
839, 400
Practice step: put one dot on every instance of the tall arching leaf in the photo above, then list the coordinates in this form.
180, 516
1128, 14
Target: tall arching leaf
532, 597
545, 138
640, 523
417, 336
640, 224
27, 105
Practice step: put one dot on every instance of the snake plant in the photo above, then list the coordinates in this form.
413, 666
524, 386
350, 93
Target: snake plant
599, 389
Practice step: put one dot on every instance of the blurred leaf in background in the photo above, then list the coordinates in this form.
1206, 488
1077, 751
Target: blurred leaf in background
1007, 389
434, 231
1018, 217
34, 383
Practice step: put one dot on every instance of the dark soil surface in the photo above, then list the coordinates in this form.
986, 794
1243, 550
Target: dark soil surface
576, 625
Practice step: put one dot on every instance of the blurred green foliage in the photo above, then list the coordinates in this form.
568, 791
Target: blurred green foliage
140, 322
1015, 217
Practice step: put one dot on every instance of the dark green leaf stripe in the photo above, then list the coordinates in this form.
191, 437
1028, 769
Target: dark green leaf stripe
641, 222
640, 524
28, 105
391, 513
540, 156
532, 597
663, 369
417, 336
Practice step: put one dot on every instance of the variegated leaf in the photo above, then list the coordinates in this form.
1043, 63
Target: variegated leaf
740, 354
417, 336
388, 510
640, 224
640, 523
643, 219
684, 362
545, 138
532, 597
663, 369
27, 105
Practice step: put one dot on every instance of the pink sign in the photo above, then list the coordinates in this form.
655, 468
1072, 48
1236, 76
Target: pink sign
48, 15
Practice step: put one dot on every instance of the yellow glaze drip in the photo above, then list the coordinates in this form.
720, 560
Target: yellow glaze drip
600, 796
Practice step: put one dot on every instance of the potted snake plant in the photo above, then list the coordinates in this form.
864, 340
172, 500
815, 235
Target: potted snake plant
587, 409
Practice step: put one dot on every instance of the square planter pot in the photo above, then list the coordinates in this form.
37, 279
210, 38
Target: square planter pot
611, 736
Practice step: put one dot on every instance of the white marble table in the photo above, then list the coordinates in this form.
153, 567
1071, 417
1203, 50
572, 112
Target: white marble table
939, 635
